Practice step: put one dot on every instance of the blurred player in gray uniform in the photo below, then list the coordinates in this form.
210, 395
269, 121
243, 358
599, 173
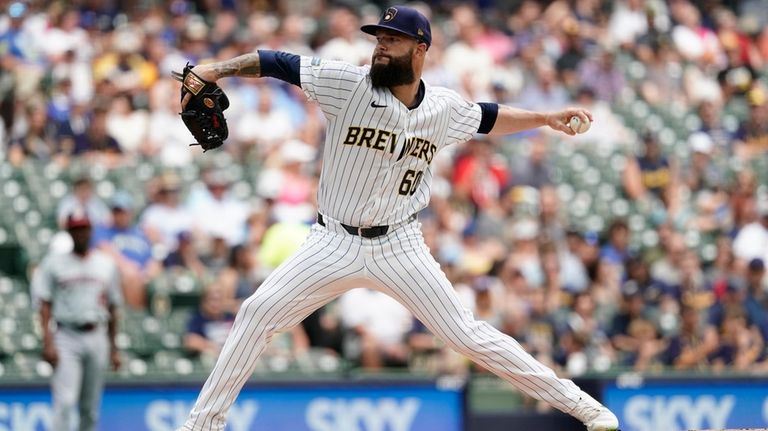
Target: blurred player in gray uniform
385, 125
80, 292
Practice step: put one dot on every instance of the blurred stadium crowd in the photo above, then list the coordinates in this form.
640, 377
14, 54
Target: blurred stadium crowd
639, 245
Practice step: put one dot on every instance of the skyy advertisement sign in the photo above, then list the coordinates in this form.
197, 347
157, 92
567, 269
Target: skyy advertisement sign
281, 408
685, 405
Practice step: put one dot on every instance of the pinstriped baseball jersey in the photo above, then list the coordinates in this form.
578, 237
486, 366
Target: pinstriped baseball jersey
377, 162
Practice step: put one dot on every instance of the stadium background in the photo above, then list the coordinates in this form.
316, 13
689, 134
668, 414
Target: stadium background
631, 258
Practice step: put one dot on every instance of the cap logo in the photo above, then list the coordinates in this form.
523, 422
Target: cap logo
389, 15
420, 32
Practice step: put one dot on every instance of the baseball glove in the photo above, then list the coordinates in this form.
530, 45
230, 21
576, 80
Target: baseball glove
203, 115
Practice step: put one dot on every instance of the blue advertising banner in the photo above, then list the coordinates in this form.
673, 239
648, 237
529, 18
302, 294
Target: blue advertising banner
335, 407
689, 405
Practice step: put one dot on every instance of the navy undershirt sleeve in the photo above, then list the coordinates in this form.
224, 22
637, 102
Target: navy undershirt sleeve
489, 113
281, 65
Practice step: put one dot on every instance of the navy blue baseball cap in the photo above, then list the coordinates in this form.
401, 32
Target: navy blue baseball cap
404, 20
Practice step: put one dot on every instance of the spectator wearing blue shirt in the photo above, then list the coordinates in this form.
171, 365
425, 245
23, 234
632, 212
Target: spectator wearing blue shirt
649, 177
655, 168
692, 346
637, 270
209, 326
16, 42
712, 124
756, 301
616, 251
96, 141
185, 257
633, 333
740, 345
130, 248
15, 50
745, 294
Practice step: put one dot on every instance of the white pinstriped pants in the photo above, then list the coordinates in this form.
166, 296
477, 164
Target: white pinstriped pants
330, 262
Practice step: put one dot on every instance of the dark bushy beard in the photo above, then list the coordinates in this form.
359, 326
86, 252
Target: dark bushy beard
399, 71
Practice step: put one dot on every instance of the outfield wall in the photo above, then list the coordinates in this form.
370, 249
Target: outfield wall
642, 404
327, 406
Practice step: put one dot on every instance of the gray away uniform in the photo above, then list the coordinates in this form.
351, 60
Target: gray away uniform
80, 291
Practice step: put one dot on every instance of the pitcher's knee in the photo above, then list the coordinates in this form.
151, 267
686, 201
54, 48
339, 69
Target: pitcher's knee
253, 308
462, 343
471, 339
261, 316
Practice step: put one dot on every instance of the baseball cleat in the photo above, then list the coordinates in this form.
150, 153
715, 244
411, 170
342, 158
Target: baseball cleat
594, 415
605, 421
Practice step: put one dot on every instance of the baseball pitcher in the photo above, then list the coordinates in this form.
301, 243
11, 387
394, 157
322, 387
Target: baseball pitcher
385, 126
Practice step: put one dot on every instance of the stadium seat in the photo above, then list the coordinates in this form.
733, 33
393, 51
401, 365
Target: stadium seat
181, 289
14, 258
26, 366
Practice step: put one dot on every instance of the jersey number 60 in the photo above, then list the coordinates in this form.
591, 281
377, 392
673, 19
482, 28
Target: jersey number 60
410, 183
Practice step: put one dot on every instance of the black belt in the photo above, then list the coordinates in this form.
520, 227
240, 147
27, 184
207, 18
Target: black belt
365, 232
79, 327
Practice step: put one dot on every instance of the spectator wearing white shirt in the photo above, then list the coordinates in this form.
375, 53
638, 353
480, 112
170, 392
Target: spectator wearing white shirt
166, 218
465, 58
65, 35
609, 131
546, 93
752, 240
82, 196
167, 136
218, 213
346, 43
127, 125
380, 324
628, 22
264, 127
694, 41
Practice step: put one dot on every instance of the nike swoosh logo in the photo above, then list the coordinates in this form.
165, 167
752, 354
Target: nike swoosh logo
375, 105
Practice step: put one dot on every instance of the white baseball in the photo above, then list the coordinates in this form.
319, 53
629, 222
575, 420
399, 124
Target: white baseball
578, 126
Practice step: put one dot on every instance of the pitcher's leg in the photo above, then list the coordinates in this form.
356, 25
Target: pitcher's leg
324, 267
410, 274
